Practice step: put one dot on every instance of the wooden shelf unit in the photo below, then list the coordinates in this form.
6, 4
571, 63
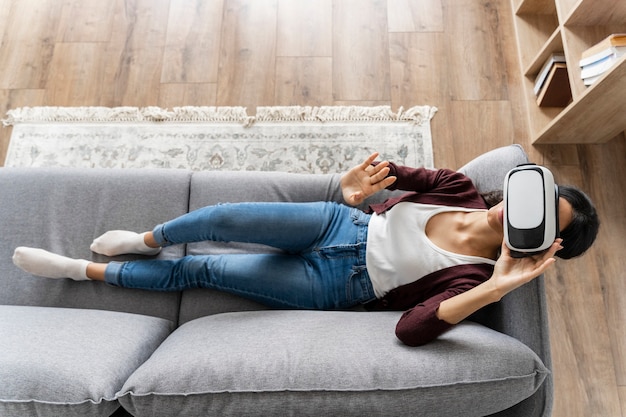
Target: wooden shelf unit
596, 113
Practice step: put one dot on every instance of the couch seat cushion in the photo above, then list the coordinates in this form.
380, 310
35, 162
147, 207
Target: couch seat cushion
70, 362
328, 363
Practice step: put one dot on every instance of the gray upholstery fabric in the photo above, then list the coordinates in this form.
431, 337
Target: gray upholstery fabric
218, 365
63, 210
488, 170
70, 362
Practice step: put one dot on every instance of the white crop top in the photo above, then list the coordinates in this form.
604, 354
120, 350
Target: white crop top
399, 252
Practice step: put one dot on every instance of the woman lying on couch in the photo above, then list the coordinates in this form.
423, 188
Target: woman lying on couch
436, 252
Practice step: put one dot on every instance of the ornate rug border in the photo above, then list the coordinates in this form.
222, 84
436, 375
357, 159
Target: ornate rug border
207, 114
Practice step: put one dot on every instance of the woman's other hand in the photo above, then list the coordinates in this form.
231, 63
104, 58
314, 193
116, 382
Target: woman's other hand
511, 273
365, 180
508, 274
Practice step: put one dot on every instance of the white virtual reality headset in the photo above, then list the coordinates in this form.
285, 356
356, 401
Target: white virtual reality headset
531, 210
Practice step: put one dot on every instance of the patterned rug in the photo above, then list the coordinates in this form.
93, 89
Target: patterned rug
290, 139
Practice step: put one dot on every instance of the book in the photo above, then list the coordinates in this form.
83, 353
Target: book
591, 80
616, 39
600, 67
556, 57
556, 91
602, 54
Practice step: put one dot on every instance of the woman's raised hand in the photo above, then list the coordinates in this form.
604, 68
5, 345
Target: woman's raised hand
365, 180
511, 273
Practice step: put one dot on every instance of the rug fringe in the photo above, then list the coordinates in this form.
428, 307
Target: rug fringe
417, 114
126, 114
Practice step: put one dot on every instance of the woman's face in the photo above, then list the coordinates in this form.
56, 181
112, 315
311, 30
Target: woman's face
495, 215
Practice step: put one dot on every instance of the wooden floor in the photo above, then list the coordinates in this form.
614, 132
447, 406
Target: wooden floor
458, 55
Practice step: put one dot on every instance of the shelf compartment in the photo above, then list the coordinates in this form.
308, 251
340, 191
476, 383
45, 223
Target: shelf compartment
596, 12
552, 45
578, 39
596, 116
536, 7
533, 31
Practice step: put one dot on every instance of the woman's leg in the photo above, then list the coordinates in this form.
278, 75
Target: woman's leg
315, 281
278, 280
331, 275
96, 271
275, 280
292, 227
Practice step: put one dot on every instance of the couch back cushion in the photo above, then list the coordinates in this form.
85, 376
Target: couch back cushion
63, 210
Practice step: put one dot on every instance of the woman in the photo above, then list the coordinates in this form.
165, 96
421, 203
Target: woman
431, 252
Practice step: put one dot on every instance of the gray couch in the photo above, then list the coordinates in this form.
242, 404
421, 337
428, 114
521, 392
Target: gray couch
87, 349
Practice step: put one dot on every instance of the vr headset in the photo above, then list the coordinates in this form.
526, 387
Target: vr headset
531, 210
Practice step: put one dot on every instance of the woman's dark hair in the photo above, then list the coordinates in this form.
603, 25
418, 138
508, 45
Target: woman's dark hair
580, 234
493, 198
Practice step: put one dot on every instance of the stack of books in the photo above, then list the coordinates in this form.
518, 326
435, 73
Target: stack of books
598, 59
551, 84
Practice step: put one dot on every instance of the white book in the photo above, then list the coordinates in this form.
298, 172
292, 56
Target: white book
590, 81
545, 70
601, 66
601, 55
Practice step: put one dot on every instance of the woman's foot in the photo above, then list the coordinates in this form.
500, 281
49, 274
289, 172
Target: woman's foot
120, 242
49, 265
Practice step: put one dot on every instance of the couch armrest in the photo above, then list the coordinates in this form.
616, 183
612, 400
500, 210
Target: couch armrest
488, 170
523, 313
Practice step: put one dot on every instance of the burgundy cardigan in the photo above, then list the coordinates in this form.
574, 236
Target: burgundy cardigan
421, 299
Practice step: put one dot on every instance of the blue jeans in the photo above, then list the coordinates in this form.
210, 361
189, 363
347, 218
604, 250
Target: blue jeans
321, 264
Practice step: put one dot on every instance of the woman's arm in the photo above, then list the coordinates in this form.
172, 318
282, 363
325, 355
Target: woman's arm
365, 180
370, 177
440, 312
420, 324
509, 274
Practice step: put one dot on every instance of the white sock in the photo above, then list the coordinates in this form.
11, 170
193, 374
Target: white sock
119, 242
49, 265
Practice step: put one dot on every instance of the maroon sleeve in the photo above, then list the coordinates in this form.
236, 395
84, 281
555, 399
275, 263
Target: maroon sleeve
413, 179
424, 180
420, 324
420, 301
442, 186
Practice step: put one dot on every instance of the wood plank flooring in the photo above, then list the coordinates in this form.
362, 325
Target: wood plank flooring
458, 55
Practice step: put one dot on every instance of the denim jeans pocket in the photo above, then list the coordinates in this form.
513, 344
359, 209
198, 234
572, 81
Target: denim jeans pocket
359, 289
